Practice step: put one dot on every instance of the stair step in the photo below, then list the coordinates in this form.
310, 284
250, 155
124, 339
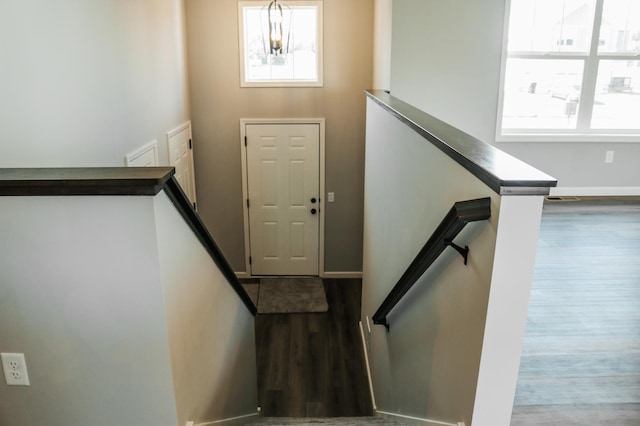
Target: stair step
344, 421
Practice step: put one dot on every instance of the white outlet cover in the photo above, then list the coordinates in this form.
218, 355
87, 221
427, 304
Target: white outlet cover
15, 369
608, 158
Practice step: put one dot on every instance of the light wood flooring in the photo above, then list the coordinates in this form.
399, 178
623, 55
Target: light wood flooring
581, 355
312, 365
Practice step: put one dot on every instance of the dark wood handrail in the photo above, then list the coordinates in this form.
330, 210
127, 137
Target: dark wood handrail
119, 181
184, 206
456, 219
501, 172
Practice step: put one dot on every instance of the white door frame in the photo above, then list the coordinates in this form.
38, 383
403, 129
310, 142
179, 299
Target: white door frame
190, 192
245, 191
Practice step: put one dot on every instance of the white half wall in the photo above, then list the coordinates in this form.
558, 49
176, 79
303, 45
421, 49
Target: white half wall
80, 297
514, 261
427, 365
123, 317
452, 350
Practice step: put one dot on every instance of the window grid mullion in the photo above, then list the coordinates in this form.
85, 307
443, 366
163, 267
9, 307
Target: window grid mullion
590, 74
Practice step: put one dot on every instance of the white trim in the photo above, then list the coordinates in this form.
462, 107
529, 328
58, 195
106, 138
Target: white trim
231, 421
186, 125
342, 274
245, 191
334, 275
245, 196
503, 70
319, 47
129, 159
367, 366
321, 198
171, 133
418, 420
561, 136
242, 275
604, 191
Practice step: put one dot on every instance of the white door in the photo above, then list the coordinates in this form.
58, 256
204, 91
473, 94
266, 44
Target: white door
181, 157
283, 186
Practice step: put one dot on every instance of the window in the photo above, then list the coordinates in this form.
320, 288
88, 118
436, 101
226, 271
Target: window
299, 63
571, 71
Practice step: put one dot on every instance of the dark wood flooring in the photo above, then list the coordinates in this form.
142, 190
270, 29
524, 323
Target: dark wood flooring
312, 365
581, 356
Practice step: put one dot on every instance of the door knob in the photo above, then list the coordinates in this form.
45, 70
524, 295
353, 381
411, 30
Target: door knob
313, 211
313, 200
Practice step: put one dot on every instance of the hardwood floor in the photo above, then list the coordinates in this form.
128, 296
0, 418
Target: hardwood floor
581, 355
312, 365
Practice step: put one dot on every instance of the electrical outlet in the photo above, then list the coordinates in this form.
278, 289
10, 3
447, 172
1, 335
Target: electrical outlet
15, 369
608, 157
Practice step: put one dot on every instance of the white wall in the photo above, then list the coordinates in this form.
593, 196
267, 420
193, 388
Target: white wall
445, 60
85, 82
453, 347
123, 317
211, 332
80, 297
427, 365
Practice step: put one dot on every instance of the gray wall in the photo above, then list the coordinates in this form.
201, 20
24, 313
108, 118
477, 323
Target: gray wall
445, 60
86, 310
211, 333
85, 83
123, 317
218, 103
427, 364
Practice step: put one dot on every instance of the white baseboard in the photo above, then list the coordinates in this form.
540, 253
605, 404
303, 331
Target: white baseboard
410, 420
367, 365
242, 275
342, 274
605, 191
234, 421
331, 274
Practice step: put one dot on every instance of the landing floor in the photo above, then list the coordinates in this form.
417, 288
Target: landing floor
312, 365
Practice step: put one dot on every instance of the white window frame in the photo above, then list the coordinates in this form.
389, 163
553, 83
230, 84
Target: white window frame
582, 132
319, 82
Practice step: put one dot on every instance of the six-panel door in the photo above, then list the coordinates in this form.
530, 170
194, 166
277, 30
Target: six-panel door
283, 176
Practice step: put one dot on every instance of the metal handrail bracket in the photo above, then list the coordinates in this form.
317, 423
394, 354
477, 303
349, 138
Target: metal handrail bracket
456, 219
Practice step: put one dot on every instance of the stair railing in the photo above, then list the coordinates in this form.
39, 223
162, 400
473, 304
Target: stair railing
456, 219
185, 208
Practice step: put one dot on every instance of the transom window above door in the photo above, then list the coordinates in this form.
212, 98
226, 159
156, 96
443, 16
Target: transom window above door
280, 43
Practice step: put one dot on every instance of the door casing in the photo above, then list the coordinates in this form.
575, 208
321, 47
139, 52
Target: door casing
245, 192
182, 159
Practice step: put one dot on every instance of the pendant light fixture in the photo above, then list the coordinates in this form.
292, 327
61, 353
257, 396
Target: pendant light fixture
275, 17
